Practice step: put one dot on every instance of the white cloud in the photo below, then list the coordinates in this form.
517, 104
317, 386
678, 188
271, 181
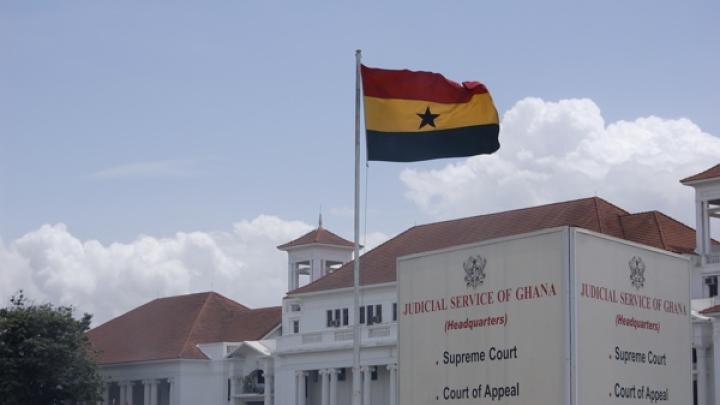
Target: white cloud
372, 240
50, 264
153, 169
555, 151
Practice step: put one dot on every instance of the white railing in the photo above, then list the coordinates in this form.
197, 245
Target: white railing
712, 259
332, 338
311, 337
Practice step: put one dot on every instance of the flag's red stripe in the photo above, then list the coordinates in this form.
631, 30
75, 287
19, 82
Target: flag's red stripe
409, 85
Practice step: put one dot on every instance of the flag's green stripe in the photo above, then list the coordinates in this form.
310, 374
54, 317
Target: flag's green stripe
415, 146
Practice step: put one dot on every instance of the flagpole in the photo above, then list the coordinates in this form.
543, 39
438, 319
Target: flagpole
356, 264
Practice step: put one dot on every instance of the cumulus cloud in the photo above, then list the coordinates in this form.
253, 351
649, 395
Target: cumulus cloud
50, 264
555, 151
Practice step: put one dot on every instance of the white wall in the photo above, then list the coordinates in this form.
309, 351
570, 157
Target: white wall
313, 316
195, 381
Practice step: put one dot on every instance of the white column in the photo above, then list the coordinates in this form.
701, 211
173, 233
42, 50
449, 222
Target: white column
153, 392
301, 387
393, 381
171, 391
123, 392
129, 395
268, 374
716, 358
366, 384
701, 375
269, 383
146, 392
333, 386
324, 386
699, 223
106, 394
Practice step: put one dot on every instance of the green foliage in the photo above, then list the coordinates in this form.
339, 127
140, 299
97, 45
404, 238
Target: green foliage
45, 355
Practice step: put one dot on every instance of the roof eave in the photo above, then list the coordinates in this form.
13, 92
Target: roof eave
286, 247
699, 181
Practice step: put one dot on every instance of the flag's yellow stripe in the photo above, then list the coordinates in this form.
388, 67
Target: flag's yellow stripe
397, 115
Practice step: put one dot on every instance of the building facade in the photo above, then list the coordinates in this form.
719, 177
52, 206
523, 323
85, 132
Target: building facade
706, 305
186, 350
306, 358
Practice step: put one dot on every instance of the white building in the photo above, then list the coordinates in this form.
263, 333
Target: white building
311, 360
706, 314
188, 350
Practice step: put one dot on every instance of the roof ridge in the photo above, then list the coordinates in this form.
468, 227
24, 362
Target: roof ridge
194, 323
660, 230
330, 232
617, 207
597, 213
316, 236
662, 214
508, 211
229, 300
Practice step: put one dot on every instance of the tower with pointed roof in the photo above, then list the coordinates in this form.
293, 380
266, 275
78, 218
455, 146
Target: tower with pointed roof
314, 255
707, 217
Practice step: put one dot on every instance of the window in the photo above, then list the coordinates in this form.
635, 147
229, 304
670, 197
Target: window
334, 319
331, 266
394, 311
296, 326
712, 283
371, 313
341, 375
373, 373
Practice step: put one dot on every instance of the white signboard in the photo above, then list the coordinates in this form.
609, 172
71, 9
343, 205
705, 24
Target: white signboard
562, 316
484, 324
633, 332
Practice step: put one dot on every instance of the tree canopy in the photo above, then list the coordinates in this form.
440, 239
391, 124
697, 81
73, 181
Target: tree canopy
45, 355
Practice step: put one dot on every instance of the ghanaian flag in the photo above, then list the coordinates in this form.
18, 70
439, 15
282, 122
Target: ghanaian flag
412, 116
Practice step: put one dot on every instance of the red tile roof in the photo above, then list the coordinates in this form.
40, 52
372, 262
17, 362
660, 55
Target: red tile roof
711, 173
170, 328
319, 236
378, 265
712, 310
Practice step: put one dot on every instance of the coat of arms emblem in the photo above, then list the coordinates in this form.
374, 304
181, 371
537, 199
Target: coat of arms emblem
637, 272
474, 271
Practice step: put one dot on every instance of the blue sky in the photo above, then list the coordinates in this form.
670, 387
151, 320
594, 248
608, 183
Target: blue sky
125, 118
250, 104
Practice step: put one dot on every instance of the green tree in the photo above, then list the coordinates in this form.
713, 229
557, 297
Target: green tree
45, 355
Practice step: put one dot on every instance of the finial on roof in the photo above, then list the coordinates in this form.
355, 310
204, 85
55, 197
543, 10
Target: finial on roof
320, 218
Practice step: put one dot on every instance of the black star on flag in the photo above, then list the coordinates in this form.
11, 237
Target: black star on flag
427, 118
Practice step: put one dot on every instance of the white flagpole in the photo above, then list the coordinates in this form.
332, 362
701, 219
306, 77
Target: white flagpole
356, 265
